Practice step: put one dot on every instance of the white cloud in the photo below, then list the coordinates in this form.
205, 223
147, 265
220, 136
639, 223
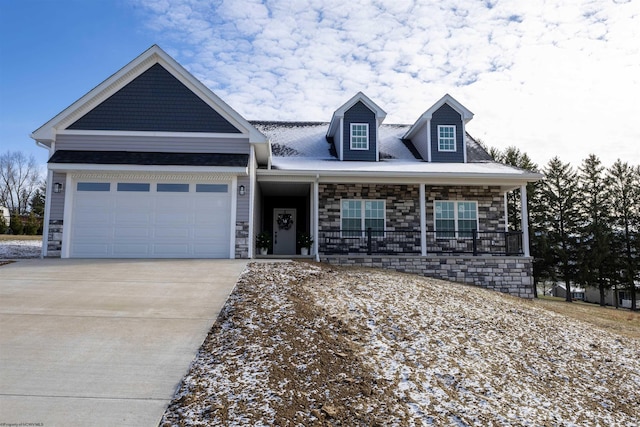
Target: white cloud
551, 77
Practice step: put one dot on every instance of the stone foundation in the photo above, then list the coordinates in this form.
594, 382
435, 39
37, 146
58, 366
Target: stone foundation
242, 239
54, 245
510, 275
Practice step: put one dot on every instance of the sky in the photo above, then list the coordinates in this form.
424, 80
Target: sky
550, 77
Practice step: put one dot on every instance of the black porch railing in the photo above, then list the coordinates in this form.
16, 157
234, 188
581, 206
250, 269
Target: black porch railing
332, 242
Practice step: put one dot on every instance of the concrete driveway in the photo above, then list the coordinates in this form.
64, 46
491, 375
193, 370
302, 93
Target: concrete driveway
103, 342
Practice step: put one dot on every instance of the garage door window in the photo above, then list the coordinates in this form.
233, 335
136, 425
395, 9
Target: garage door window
132, 186
93, 186
211, 188
172, 188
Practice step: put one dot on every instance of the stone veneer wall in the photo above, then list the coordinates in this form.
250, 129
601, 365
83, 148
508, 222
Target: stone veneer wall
402, 203
242, 239
511, 275
54, 245
490, 203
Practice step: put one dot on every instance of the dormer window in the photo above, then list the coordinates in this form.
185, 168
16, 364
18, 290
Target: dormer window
446, 138
359, 136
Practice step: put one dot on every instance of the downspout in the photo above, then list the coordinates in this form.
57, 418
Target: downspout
506, 212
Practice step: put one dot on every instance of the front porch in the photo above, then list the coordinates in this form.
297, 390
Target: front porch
404, 234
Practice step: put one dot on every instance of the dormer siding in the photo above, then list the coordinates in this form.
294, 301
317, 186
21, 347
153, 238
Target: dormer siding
360, 114
446, 115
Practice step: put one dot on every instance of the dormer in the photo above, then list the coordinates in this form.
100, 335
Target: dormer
439, 133
354, 129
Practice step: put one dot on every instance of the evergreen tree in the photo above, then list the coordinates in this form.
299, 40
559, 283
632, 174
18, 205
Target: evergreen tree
17, 227
36, 204
558, 218
594, 252
624, 190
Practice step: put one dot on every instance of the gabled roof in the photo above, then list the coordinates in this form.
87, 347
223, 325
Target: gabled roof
426, 116
307, 139
152, 56
301, 148
358, 97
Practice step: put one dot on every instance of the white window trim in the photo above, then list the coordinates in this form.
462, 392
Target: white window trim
455, 217
454, 139
351, 125
362, 214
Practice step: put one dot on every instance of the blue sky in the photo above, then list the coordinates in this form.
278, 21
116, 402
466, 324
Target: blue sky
552, 77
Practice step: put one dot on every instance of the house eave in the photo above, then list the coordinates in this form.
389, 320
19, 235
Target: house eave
506, 181
160, 169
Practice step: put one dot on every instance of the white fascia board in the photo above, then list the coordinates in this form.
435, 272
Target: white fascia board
502, 180
75, 167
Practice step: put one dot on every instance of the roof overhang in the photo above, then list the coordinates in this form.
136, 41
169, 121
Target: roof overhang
155, 170
505, 181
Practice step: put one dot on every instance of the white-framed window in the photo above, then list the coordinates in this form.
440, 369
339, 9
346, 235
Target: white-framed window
446, 138
359, 136
356, 216
455, 218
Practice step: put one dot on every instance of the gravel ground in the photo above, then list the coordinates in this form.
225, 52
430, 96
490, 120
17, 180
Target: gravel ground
304, 344
17, 249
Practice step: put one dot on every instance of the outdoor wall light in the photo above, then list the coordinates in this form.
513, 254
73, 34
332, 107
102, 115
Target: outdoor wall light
57, 187
242, 190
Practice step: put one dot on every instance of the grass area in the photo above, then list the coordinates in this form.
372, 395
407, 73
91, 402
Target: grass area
621, 321
4, 237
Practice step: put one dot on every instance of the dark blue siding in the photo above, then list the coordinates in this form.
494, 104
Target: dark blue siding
154, 101
446, 115
359, 113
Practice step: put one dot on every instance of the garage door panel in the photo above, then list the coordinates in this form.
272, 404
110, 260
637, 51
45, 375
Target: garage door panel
87, 233
131, 249
156, 224
206, 251
172, 233
173, 218
176, 250
96, 250
131, 233
131, 218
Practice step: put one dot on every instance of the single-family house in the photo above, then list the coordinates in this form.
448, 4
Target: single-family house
5, 215
152, 164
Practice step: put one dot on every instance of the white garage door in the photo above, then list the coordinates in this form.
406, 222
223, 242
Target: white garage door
119, 219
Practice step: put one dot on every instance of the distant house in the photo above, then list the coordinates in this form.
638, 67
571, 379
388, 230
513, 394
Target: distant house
4, 214
560, 290
612, 296
152, 164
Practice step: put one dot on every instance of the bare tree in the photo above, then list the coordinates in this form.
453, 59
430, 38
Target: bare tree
19, 179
